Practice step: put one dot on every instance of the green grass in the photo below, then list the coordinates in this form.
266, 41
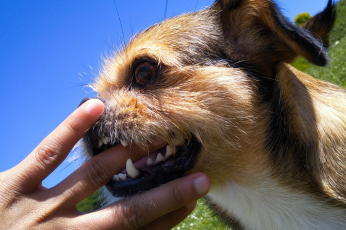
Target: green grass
90, 204
335, 72
339, 28
201, 218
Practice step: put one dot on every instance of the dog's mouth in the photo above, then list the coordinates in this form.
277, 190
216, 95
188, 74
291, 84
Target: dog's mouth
156, 168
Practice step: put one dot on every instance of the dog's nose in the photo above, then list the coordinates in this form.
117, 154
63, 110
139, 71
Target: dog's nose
88, 98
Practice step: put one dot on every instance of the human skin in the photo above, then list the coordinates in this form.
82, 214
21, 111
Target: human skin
26, 204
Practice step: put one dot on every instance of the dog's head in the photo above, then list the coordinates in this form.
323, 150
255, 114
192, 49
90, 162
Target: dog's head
199, 85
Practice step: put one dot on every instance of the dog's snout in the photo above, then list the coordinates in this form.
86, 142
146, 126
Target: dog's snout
88, 98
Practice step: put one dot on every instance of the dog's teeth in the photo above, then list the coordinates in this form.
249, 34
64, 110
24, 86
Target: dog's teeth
159, 158
131, 170
100, 143
122, 176
169, 151
149, 161
124, 143
116, 177
178, 141
106, 140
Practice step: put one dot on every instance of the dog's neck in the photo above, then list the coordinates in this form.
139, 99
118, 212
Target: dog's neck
271, 203
271, 206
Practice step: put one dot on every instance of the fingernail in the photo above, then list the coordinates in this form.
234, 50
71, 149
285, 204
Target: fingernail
94, 107
202, 185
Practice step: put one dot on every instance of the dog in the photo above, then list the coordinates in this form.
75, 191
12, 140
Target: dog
216, 87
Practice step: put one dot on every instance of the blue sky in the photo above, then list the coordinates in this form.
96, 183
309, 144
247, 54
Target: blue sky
49, 50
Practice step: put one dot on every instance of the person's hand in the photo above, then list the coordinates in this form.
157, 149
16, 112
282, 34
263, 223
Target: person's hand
26, 204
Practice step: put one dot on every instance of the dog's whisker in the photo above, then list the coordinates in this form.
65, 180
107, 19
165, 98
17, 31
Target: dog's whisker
211, 91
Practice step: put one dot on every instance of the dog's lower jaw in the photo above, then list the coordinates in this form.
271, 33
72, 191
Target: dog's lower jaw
154, 175
271, 206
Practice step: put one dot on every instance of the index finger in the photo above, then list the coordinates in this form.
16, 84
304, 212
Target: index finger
50, 153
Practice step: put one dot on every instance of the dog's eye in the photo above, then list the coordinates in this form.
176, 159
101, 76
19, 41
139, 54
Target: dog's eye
144, 73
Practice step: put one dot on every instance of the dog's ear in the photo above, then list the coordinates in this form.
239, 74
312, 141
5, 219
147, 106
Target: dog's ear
322, 23
261, 35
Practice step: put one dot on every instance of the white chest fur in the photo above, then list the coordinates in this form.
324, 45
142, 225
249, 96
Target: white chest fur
270, 207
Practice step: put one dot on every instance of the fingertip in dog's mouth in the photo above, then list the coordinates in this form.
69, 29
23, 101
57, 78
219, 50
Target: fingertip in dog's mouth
156, 168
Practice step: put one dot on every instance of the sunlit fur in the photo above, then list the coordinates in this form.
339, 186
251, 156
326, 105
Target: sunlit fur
273, 138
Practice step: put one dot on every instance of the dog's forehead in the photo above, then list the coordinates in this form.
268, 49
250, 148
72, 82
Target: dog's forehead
165, 41
173, 42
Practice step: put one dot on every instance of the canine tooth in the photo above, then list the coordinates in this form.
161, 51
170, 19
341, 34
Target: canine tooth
122, 176
131, 170
169, 151
100, 143
159, 158
106, 140
116, 177
177, 141
149, 161
124, 143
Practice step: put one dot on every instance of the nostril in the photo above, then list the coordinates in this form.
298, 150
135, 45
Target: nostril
88, 98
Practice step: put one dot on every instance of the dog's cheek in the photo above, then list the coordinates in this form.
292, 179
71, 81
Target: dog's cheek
233, 117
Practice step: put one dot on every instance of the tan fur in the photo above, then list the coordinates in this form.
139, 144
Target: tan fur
201, 92
330, 116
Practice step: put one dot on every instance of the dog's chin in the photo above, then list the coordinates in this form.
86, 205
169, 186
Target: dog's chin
149, 177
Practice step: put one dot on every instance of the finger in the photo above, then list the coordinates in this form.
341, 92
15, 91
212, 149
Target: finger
171, 219
56, 146
96, 172
140, 210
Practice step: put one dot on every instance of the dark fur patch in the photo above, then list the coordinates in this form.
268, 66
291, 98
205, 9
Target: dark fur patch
229, 4
316, 52
233, 5
255, 37
322, 23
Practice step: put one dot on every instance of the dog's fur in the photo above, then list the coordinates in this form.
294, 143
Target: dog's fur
273, 138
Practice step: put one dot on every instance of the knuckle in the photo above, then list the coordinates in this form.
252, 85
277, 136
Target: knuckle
6, 190
177, 197
47, 155
97, 173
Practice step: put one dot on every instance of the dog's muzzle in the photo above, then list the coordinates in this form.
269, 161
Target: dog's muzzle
156, 168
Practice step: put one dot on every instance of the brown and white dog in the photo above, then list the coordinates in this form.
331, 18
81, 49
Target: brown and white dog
216, 89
